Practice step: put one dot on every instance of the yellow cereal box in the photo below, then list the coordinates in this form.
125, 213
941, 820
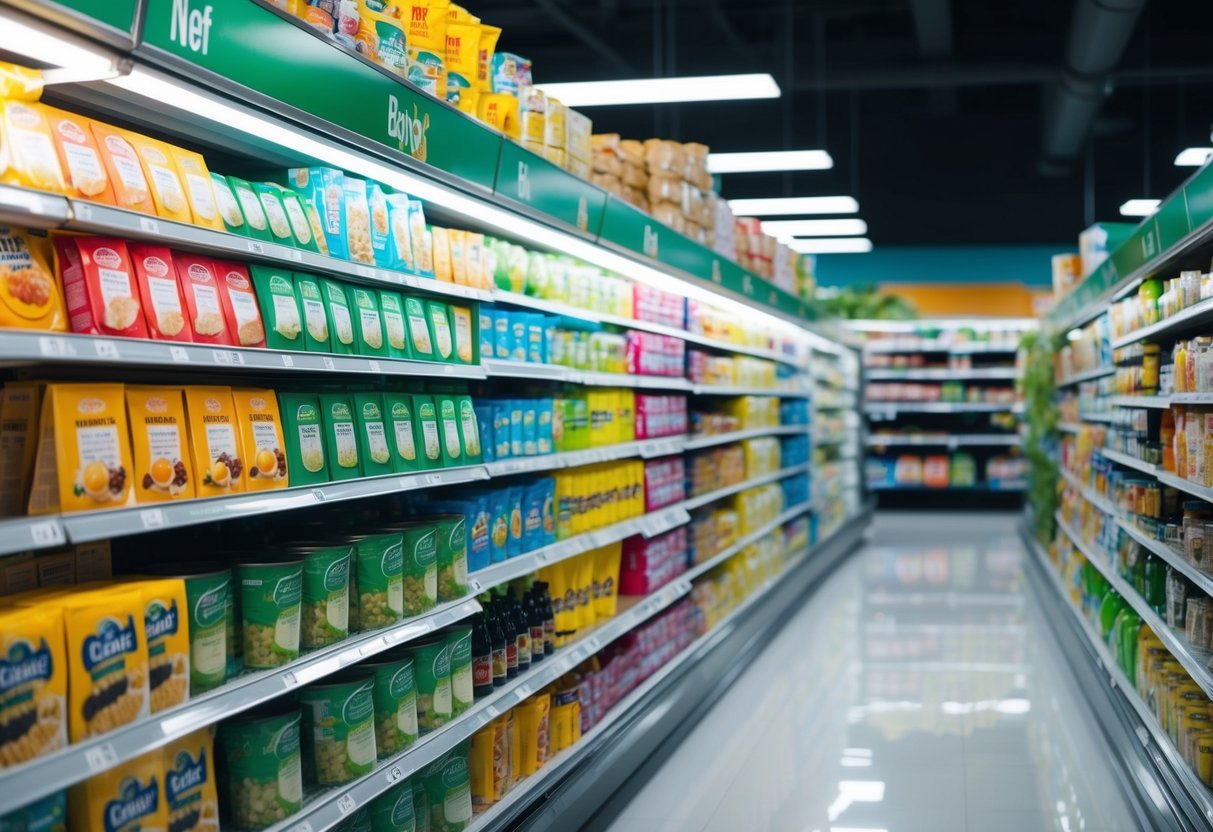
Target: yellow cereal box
27, 151
215, 441
168, 194
198, 190
18, 441
33, 684
160, 444
189, 783
166, 632
126, 798
260, 430
84, 456
107, 658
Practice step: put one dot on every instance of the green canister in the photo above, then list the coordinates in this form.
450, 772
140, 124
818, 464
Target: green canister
326, 593
360, 821
421, 804
338, 729
264, 782
208, 595
270, 598
432, 665
448, 785
377, 581
452, 556
393, 810
459, 645
395, 697
420, 567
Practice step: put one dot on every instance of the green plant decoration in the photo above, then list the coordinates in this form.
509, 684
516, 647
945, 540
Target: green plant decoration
1041, 441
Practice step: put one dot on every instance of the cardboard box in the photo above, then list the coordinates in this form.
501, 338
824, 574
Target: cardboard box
94, 561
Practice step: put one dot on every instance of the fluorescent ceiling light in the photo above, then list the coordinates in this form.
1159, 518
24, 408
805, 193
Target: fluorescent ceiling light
832, 245
814, 228
1191, 157
1139, 207
663, 90
64, 50
787, 206
769, 160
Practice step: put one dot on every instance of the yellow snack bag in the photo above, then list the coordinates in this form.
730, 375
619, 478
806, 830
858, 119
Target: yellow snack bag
84, 173
532, 716
19, 403
198, 189
27, 151
168, 194
488, 45
441, 241
462, 59
126, 798
124, 169
33, 684
190, 791
585, 590
459, 263
84, 456
20, 83
166, 632
480, 761
160, 442
606, 581
426, 39
499, 110
261, 438
107, 658
30, 294
474, 253
214, 441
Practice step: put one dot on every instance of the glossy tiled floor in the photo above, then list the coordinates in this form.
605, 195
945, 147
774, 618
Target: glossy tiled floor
919, 690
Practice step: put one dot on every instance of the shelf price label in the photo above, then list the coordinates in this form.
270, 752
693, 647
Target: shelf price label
101, 757
47, 533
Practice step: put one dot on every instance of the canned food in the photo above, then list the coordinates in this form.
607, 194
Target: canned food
376, 581
208, 596
264, 782
448, 785
326, 594
395, 697
270, 598
452, 556
420, 567
338, 729
459, 644
432, 664
393, 810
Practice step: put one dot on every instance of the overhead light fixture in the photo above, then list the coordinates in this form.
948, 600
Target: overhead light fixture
768, 160
787, 206
814, 228
1190, 157
74, 54
832, 245
1139, 207
663, 90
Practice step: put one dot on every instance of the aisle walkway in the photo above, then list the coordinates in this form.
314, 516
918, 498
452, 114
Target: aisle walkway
919, 690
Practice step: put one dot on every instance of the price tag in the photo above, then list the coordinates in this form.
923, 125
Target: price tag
491, 711
364, 271
54, 347
83, 211
433, 479
149, 225
255, 247
301, 826
221, 356
524, 691
328, 362
408, 482
287, 361
394, 774
593, 644
318, 494
346, 803
179, 354
105, 349
102, 757
47, 533
152, 518
290, 680
474, 586
295, 254
542, 556
373, 364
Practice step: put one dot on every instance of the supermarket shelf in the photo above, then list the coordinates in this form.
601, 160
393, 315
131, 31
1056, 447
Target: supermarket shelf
1162, 402
649, 525
740, 390
1194, 659
1191, 398
1167, 478
950, 440
100, 525
924, 345
1086, 375
21, 534
941, 374
497, 368
1095, 417
1129, 461
709, 441
39, 777
720, 557
645, 449
32, 209
834, 402
1069, 427
1183, 319
19, 348
1191, 782
1173, 557
1009, 487
941, 407
824, 439
332, 806
712, 496
1097, 500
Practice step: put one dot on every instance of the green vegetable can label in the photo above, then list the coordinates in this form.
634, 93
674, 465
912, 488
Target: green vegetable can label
379, 569
448, 785
459, 644
338, 731
265, 780
432, 663
326, 596
271, 595
392, 811
207, 597
420, 568
395, 698
452, 556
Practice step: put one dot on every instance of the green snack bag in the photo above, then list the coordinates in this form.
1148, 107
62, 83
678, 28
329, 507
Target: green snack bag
421, 332
398, 416
256, 224
368, 325
341, 324
448, 429
275, 291
425, 433
303, 433
373, 446
229, 207
301, 225
391, 308
340, 436
270, 198
310, 294
469, 431
440, 320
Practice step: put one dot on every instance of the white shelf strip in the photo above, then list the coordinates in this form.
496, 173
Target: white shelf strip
950, 440
1085, 375
1129, 461
941, 407
944, 374
1162, 402
712, 496
1167, 478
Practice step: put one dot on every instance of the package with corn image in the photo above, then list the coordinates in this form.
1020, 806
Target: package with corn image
33, 684
166, 630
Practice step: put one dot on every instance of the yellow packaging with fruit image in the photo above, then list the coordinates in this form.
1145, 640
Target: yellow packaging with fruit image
84, 456
214, 441
29, 293
33, 684
160, 441
261, 437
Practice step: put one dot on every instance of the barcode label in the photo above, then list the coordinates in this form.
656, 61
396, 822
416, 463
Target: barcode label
55, 346
328, 362
106, 349
346, 803
287, 361
408, 482
433, 479
179, 354
373, 364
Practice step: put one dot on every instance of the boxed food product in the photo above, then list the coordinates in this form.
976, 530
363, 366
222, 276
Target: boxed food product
168, 194
126, 798
29, 293
261, 438
34, 706
303, 434
240, 304
160, 293
190, 789
199, 281
100, 287
163, 469
80, 160
131, 189
275, 291
215, 441
19, 416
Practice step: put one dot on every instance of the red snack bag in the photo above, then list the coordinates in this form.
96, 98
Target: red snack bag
240, 305
198, 278
99, 287
163, 306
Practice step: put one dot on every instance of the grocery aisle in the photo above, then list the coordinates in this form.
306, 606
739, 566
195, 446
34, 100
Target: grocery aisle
920, 689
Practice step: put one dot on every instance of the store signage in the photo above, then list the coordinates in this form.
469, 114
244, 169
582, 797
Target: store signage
98, 17
191, 28
528, 178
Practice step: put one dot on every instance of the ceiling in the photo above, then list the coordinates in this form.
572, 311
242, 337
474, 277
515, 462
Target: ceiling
934, 110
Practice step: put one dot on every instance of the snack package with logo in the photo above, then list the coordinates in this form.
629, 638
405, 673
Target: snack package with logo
33, 695
459, 263
29, 293
301, 224
166, 632
462, 62
84, 456
341, 324
215, 441
19, 409
163, 468
376, 201
240, 304
373, 443
391, 306
168, 194
339, 728
261, 437
126, 798
160, 293
313, 220
465, 340
444, 342
198, 188
358, 220
381, 37
27, 151
263, 775
125, 171
448, 430
227, 205
310, 294
256, 224
340, 436
426, 430
190, 787
368, 323
499, 110
275, 290
325, 189
423, 246
83, 171
469, 430
440, 245
421, 331
303, 433
100, 286
426, 39
199, 282
448, 785
270, 197
48, 813
399, 242
398, 418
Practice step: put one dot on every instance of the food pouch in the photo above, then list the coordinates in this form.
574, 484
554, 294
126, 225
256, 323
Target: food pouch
316, 331
448, 430
29, 292
391, 308
33, 694
160, 293
381, 36
325, 189
423, 247
368, 323
399, 242
380, 229
398, 418
426, 432
227, 205
444, 342
500, 111
421, 332
126, 175
373, 443
462, 60
275, 291
341, 324
426, 39
240, 304
303, 433
340, 436
166, 633
199, 282
199, 190
19, 408
84, 173
160, 441
469, 430
99, 284
270, 197
168, 194
215, 441
440, 242
256, 224
459, 263
261, 437
27, 152
304, 232
358, 220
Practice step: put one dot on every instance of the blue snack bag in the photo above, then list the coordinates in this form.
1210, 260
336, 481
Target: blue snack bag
487, 332
536, 338
503, 338
530, 428
514, 504
484, 420
501, 428
532, 517
545, 409
518, 335
516, 437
